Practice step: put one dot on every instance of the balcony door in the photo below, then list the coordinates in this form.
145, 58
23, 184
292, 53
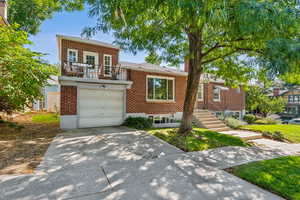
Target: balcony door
91, 58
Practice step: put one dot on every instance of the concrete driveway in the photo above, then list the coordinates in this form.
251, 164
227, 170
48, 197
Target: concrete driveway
121, 163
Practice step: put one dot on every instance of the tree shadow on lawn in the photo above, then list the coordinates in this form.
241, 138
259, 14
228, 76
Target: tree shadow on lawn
23, 144
198, 139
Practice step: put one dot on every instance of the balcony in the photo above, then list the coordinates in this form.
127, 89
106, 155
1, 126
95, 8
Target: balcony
95, 72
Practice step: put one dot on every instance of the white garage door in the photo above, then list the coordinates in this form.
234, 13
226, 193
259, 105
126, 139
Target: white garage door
100, 108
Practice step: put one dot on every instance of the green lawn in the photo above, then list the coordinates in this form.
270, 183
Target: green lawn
291, 132
45, 118
280, 175
198, 140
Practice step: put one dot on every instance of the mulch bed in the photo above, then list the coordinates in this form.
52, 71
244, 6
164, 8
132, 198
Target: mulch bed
24, 143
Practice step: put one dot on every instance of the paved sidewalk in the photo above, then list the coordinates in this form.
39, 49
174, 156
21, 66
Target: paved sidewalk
246, 135
282, 146
226, 157
121, 163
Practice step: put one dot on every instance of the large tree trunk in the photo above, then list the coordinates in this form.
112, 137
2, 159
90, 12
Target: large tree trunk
194, 72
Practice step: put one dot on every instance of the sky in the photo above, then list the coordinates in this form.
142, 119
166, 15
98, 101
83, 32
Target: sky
72, 24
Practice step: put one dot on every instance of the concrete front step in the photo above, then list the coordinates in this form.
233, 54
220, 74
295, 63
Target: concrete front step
220, 129
211, 122
220, 125
203, 115
206, 119
245, 135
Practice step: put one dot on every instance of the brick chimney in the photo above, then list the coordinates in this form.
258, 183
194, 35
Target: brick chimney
3, 9
276, 92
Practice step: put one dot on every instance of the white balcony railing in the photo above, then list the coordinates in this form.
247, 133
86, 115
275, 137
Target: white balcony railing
88, 71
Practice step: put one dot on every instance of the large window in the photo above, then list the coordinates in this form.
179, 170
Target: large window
107, 64
216, 94
294, 98
160, 89
200, 92
72, 55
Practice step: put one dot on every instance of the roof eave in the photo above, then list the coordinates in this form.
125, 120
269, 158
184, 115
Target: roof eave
93, 42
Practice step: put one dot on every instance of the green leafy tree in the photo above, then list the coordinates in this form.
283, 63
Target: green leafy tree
22, 72
258, 101
272, 106
213, 36
30, 14
153, 58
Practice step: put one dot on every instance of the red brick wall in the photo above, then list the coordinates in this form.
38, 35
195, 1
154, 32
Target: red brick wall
230, 99
67, 44
68, 100
136, 96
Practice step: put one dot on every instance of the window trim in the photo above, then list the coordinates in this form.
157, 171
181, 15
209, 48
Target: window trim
74, 50
219, 99
110, 74
90, 53
201, 86
160, 100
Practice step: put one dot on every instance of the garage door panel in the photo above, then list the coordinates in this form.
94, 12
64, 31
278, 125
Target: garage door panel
96, 97
91, 108
92, 122
101, 115
100, 108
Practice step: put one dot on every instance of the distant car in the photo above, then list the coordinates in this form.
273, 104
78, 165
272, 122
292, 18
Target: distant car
285, 120
295, 121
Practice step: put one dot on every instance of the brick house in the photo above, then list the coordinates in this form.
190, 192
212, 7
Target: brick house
99, 90
292, 97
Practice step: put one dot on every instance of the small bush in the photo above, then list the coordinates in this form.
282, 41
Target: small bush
138, 122
234, 123
277, 135
267, 121
249, 118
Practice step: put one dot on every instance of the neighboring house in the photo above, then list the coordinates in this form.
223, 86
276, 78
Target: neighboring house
51, 97
3, 12
292, 97
98, 90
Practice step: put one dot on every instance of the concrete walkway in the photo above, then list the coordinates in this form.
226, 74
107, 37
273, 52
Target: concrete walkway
245, 135
276, 145
120, 163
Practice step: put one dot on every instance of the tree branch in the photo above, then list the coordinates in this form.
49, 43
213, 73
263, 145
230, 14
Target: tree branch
231, 52
211, 49
218, 57
218, 45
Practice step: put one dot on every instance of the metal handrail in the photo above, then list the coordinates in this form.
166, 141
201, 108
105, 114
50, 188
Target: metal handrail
85, 70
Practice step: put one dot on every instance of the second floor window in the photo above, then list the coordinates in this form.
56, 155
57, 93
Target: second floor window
294, 98
72, 55
90, 60
216, 94
107, 65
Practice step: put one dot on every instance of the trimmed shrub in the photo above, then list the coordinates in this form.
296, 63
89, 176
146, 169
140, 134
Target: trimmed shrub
234, 123
250, 118
277, 135
138, 122
267, 121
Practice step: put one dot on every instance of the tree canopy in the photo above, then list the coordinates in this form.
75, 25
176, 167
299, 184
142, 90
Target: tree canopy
228, 38
258, 101
153, 58
30, 14
22, 72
